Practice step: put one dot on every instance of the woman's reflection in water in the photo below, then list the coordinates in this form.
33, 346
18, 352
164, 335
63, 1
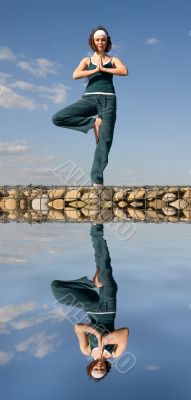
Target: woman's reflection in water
99, 338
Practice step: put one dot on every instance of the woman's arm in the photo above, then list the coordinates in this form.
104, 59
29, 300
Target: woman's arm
120, 68
81, 71
119, 337
83, 341
88, 329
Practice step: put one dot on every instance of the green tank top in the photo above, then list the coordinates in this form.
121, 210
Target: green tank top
109, 327
100, 82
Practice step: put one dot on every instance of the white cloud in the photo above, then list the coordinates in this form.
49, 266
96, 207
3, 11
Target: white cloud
117, 47
22, 324
53, 316
10, 99
13, 148
23, 85
34, 159
45, 306
11, 260
151, 41
4, 77
5, 357
41, 67
56, 93
27, 245
11, 311
37, 170
7, 54
55, 250
39, 344
152, 367
9, 317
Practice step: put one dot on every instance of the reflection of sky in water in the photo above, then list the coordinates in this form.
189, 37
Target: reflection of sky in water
39, 353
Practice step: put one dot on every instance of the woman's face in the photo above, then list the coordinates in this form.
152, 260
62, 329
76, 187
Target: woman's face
100, 42
99, 368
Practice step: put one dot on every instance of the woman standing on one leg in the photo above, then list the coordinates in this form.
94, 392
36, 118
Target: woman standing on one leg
99, 99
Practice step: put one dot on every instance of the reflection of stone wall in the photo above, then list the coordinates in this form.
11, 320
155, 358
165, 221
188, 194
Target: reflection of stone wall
146, 203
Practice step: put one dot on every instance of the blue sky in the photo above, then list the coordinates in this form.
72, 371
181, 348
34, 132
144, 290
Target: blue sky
41, 42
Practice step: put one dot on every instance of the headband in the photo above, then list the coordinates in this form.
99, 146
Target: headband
100, 32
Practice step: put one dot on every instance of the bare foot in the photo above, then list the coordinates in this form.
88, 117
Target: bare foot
96, 126
96, 280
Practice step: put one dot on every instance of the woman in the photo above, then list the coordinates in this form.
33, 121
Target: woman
99, 99
110, 345
98, 339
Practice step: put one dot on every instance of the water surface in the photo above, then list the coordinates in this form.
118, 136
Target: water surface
39, 351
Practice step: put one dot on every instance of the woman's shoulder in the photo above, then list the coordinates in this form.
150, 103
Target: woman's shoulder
114, 59
86, 60
110, 57
86, 350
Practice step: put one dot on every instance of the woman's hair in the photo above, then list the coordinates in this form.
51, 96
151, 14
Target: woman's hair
91, 39
92, 364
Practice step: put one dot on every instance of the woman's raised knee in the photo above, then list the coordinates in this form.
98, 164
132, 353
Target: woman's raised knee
56, 120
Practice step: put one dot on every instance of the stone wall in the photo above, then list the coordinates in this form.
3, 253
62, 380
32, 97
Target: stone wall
80, 204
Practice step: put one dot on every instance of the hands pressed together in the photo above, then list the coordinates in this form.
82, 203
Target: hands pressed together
102, 341
103, 338
100, 66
